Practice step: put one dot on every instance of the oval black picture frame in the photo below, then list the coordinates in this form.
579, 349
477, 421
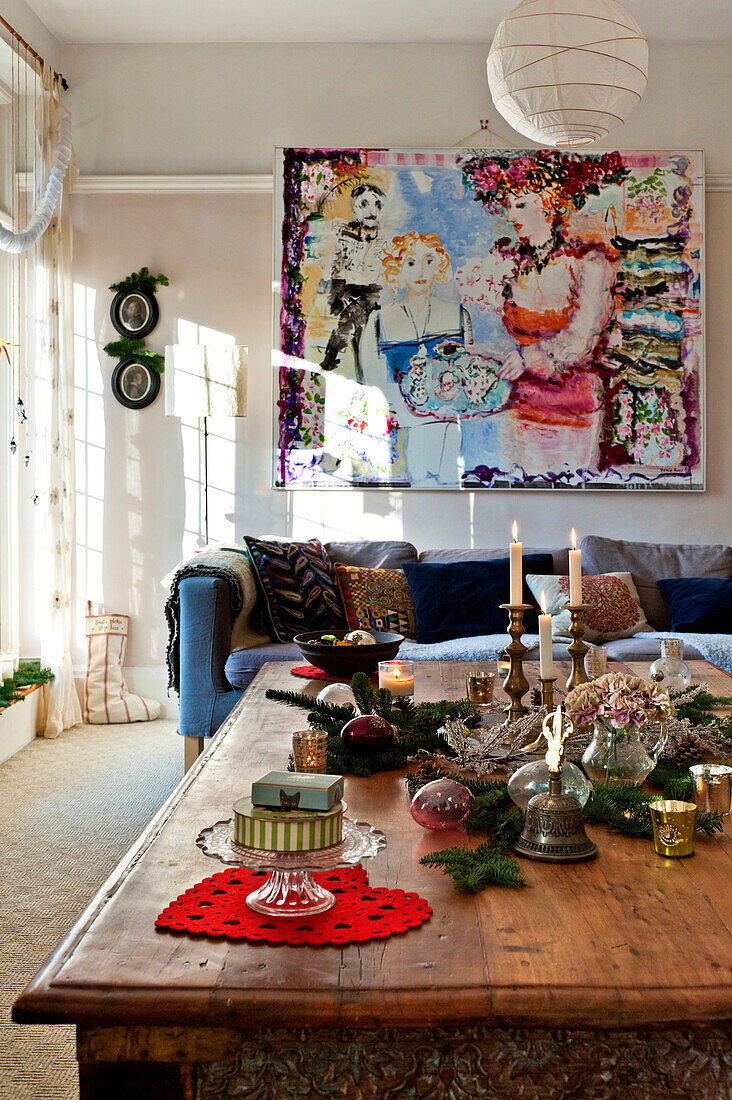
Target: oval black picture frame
121, 307
121, 384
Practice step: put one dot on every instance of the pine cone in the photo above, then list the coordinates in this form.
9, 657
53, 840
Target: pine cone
427, 770
536, 697
687, 750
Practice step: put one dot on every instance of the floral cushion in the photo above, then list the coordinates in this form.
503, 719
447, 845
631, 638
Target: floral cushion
298, 586
613, 607
377, 599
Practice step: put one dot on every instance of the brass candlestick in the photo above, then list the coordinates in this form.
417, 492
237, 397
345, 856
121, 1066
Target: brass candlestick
516, 685
577, 649
547, 692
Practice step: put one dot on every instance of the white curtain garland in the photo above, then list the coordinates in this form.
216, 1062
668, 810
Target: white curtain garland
41, 217
54, 308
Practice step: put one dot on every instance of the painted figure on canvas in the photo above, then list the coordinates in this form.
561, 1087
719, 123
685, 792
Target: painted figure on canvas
481, 318
355, 279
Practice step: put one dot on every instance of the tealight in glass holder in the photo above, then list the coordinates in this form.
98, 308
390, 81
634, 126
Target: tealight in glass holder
398, 677
596, 661
310, 751
712, 787
479, 687
674, 824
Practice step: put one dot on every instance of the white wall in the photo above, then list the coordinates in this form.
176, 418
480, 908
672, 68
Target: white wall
30, 27
221, 109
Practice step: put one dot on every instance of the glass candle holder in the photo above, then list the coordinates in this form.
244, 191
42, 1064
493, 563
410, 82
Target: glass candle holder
674, 824
398, 677
310, 751
712, 787
596, 661
479, 687
503, 666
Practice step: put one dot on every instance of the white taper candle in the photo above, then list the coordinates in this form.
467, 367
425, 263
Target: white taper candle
517, 573
575, 573
546, 659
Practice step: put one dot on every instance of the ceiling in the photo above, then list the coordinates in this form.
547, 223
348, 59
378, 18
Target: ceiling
160, 21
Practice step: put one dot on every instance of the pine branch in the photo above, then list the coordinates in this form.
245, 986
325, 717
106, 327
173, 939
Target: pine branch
133, 348
27, 673
487, 865
363, 692
141, 280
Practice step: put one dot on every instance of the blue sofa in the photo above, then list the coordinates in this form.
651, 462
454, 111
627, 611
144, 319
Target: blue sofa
212, 678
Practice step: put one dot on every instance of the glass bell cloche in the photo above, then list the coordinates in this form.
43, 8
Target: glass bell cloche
671, 671
533, 779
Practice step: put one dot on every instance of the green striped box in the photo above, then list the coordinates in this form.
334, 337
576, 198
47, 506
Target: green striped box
287, 830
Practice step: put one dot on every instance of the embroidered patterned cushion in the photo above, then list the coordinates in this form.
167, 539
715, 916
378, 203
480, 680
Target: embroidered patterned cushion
377, 599
298, 586
613, 607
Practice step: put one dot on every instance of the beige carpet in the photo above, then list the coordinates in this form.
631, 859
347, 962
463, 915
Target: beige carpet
57, 799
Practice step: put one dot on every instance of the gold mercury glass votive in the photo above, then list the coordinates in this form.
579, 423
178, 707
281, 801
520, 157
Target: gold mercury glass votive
310, 751
479, 687
674, 824
712, 787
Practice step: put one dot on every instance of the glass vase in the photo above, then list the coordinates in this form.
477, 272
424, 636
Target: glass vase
618, 757
671, 671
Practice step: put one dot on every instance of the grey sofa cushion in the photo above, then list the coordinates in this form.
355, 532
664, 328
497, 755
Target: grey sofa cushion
649, 562
371, 555
560, 556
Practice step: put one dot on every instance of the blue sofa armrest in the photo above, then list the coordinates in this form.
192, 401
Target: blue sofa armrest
206, 696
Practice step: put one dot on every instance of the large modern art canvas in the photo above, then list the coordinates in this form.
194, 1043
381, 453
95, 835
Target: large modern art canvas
474, 318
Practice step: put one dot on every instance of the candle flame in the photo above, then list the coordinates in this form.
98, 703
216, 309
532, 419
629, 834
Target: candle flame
574, 539
542, 603
514, 532
556, 730
396, 673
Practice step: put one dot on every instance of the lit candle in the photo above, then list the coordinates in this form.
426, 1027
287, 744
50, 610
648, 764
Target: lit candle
398, 677
546, 660
517, 573
575, 573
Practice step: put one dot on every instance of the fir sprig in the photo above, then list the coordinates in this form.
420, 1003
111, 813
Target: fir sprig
141, 280
473, 869
698, 711
28, 673
133, 348
415, 727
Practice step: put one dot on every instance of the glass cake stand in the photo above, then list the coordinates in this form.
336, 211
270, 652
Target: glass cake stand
290, 889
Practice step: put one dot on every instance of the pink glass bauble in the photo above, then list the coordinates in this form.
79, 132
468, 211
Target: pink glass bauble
441, 804
368, 733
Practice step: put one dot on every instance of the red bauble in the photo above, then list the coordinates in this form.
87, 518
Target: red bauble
368, 733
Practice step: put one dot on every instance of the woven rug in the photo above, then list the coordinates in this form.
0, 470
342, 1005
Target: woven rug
56, 798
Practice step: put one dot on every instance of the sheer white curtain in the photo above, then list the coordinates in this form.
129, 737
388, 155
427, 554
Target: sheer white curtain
54, 305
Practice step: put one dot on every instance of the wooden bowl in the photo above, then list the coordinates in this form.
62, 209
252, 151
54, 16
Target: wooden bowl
344, 660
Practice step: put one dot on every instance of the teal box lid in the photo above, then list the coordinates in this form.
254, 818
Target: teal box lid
297, 791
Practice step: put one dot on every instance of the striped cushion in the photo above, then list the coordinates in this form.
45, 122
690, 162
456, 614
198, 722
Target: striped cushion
377, 599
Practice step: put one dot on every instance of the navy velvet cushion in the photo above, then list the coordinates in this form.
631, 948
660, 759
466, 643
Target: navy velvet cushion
461, 599
701, 604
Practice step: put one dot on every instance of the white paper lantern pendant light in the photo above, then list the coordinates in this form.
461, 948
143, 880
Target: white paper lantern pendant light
567, 72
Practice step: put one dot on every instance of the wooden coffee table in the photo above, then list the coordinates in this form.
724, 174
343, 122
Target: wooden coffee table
589, 955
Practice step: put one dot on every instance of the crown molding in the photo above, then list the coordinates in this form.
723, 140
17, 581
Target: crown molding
174, 185
231, 185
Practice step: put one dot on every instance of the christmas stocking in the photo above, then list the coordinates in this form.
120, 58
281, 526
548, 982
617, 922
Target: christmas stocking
106, 698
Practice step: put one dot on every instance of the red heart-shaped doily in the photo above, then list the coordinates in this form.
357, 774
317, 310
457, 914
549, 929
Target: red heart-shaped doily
217, 907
